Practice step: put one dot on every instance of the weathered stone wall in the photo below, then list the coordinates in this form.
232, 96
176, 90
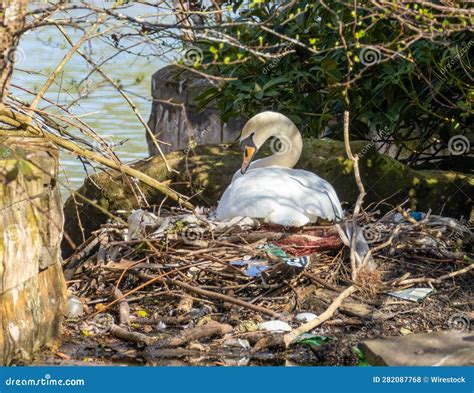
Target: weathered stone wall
175, 117
32, 286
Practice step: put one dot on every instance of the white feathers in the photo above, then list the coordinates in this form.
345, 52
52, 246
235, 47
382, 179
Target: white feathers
271, 190
278, 195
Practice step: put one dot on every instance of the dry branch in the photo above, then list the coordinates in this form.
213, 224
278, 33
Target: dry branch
438, 280
291, 336
135, 337
23, 122
210, 329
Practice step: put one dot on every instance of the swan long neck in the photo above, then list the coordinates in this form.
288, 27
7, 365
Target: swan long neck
287, 151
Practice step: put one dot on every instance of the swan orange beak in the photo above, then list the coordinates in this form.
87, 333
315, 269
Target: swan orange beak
249, 149
249, 152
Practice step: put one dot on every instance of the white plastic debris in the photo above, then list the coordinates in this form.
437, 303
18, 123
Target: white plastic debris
160, 326
233, 362
137, 222
236, 343
305, 317
242, 223
74, 307
193, 272
199, 221
275, 326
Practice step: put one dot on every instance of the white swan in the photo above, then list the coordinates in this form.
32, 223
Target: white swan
269, 188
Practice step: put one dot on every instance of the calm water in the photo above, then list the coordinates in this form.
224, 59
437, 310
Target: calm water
104, 109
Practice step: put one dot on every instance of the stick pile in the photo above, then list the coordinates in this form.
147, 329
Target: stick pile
204, 278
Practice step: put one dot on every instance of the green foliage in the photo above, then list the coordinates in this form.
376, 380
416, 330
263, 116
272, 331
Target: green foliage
314, 340
418, 92
361, 360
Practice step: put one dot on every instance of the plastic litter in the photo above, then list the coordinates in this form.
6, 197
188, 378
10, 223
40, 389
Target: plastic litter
255, 267
313, 339
160, 326
412, 294
417, 216
275, 251
305, 317
74, 307
236, 343
274, 326
138, 221
300, 262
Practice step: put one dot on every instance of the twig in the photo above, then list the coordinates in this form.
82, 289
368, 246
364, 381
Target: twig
21, 121
328, 313
436, 280
210, 329
219, 296
360, 198
123, 94
124, 308
136, 337
199, 291
64, 61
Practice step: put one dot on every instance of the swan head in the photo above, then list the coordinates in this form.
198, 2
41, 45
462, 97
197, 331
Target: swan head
262, 127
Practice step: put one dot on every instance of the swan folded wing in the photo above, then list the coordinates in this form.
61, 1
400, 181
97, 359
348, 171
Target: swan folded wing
281, 196
321, 188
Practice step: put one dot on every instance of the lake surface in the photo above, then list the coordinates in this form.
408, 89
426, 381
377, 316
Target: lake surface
103, 109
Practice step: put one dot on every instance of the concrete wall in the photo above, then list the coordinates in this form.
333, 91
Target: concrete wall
175, 117
32, 287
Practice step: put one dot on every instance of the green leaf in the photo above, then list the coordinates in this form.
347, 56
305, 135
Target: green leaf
360, 357
314, 340
275, 81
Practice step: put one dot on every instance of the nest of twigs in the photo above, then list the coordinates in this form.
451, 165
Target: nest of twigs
240, 271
